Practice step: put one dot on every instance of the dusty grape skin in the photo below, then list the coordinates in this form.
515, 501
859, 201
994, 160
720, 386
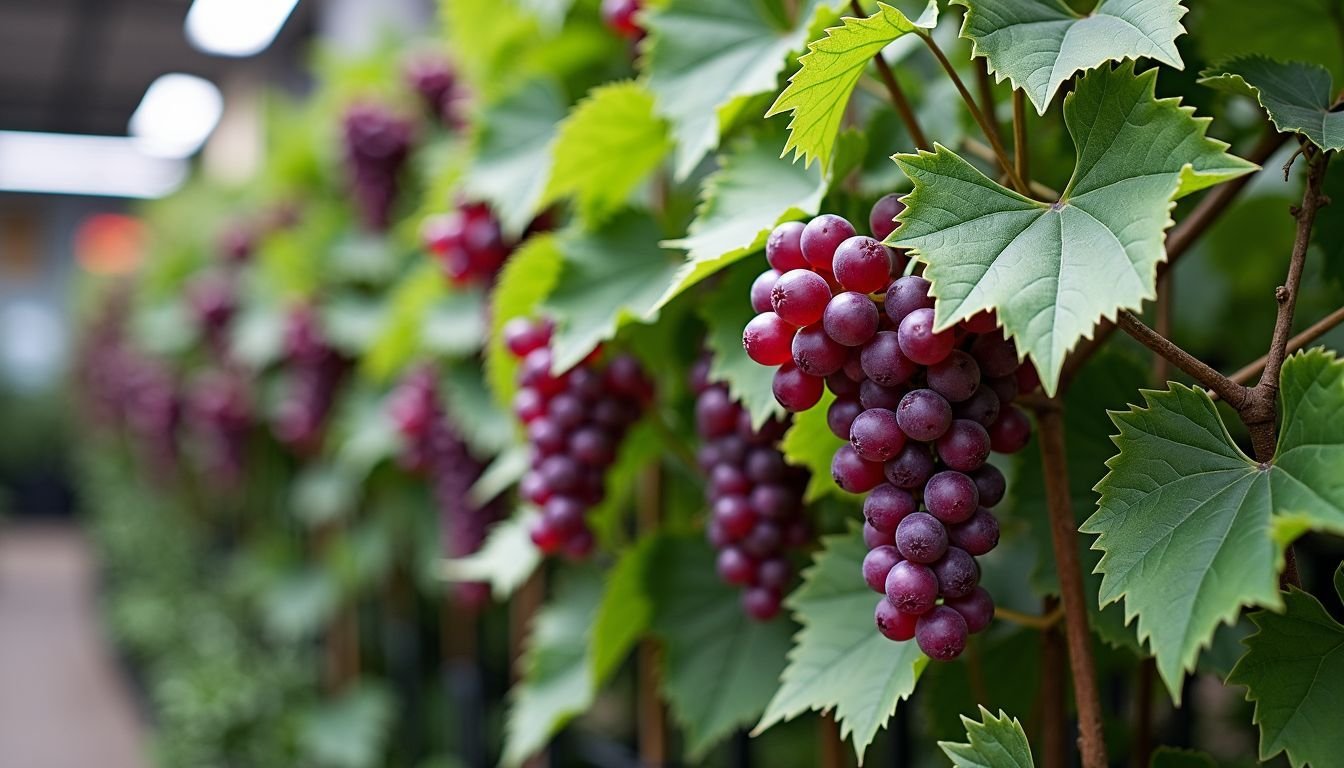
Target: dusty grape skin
905, 295
875, 436
991, 484
851, 319
911, 587
924, 415
965, 446
910, 468
1012, 430
820, 238
956, 377
840, 416
761, 289
852, 473
978, 536
976, 608
919, 342
877, 564
941, 634
800, 296
957, 573
768, 339
862, 264
920, 538
881, 219
816, 354
951, 496
795, 390
982, 407
783, 249
892, 623
886, 506
883, 361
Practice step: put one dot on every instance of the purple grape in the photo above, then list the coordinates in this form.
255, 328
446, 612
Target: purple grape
593, 447
840, 416
941, 634
883, 361
763, 541
976, 608
877, 564
893, 624
873, 395
761, 603
874, 538
997, 357
851, 473
1010, 433
875, 435
886, 506
924, 415
1005, 388
978, 535
842, 386
862, 264
821, 237
774, 502
816, 354
774, 574
728, 479
991, 484
982, 407
920, 538
715, 413
546, 437
765, 465
965, 446
957, 572
850, 319
784, 249
956, 377
794, 389
910, 468
800, 296
735, 516
920, 343
564, 513
951, 497
735, 567
761, 290
912, 588
767, 338
882, 218
905, 295
560, 472
565, 410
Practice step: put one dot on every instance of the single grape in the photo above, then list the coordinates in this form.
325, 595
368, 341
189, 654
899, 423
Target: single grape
1005, 388
956, 377
593, 446
768, 339
560, 472
989, 480
700, 376
920, 538
941, 634
883, 361
840, 416
984, 321
761, 290
882, 218
715, 413
911, 587
735, 516
547, 538
761, 603
528, 405
886, 506
997, 356
910, 468
854, 366
976, 608
957, 572
978, 535
522, 336
877, 564
774, 502
874, 395
763, 541
1011, 432
800, 296
918, 340
952, 497
566, 410
875, 435
795, 390
815, 353
732, 450
862, 264
765, 465
784, 247
619, 16
533, 488
982, 407
893, 624
924, 415
728, 479
546, 437
735, 567
875, 538
852, 473
821, 237
841, 385
850, 318
965, 445
1027, 378
564, 513
905, 295
774, 574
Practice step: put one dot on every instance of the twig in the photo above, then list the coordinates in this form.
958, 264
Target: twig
983, 151
1021, 152
1162, 324
991, 132
1314, 332
1235, 394
1063, 538
894, 91
1054, 744
1044, 621
652, 718
832, 747
984, 86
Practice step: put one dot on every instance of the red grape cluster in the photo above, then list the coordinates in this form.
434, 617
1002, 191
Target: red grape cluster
377, 143
315, 370
921, 411
468, 242
755, 499
575, 423
432, 446
433, 80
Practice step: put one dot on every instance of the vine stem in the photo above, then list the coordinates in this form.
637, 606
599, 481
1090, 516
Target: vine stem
1021, 152
1054, 744
1044, 621
898, 100
1235, 394
652, 718
1063, 538
991, 132
1314, 332
832, 746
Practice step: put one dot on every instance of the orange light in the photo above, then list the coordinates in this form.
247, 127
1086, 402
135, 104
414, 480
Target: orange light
109, 243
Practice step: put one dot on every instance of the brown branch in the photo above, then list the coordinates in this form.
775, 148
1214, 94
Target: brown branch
1314, 332
898, 100
1021, 152
1143, 714
1162, 324
984, 87
1044, 621
1054, 743
983, 151
652, 719
1063, 538
832, 746
1235, 394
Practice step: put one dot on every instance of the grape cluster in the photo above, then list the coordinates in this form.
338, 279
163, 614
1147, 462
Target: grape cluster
316, 370
212, 298
220, 413
619, 16
377, 143
755, 499
433, 80
431, 446
575, 423
468, 242
921, 411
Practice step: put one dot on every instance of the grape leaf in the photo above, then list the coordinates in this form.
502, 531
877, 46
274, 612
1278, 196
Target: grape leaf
625, 610
704, 54
1191, 528
1294, 672
527, 279
513, 153
349, 731
606, 146
609, 277
818, 93
1222, 30
1296, 96
556, 681
839, 660
810, 443
992, 742
726, 310
506, 559
1052, 270
1328, 233
1039, 44
720, 667
486, 38
752, 191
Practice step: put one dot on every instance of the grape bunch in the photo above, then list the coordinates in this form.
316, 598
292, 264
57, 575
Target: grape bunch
468, 242
433, 447
433, 80
377, 143
315, 372
921, 411
575, 423
755, 499
221, 415
212, 298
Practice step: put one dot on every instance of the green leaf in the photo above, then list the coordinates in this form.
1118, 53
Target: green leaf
513, 153
526, 280
1328, 233
486, 428
818, 93
349, 731
506, 559
1052, 270
1040, 44
486, 38
556, 682
1294, 671
625, 610
1192, 529
611, 141
1297, 96
454, 326
752, 191
609, 278
810, 443
704, 54
839, 660
642, 447
1171, 757
726, 311
720, 667
994, 742
398, 340
1223, 29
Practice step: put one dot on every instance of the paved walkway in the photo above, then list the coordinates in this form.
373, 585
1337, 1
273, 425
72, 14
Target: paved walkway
63, 702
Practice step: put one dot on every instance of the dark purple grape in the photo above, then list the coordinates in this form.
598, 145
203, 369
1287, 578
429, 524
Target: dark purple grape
957, 572
761, 603
763, 541
920, 343
982, 407
732, 450
920, 538
842, 386
821, 237
873, 395
976, 608
997, 357
795, 390
877, 564
565, 410
956, 377
774, 502
965, 446
774, 574
886, 506
735, 567
883, 361
875, 435
991, 484
952, 497
768, 339
728, 479
840, 416
735, 516
765, 465
912, 588
882, 218
905, 295
893, 624
854, 366
800, 296
852, 473
862, 264
560, 472
1027, 378
924, 415
580, 544
984, 321
816, 354
941, 634
910, 468
564, 513
715, 413
593, 446
978, 536
1005, 388
546, 437
1011, 432
875, 538
850, 319
528, 405
784, 249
